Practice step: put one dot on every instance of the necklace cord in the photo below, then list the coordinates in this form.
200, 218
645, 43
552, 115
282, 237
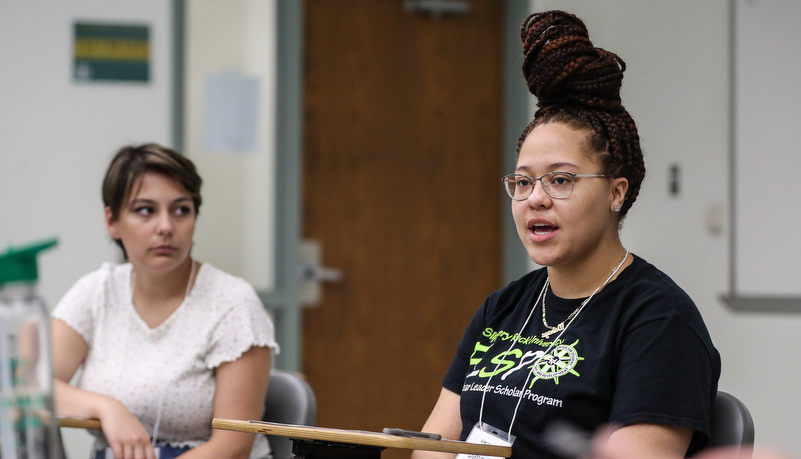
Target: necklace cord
164, 388
561, 326
192, 273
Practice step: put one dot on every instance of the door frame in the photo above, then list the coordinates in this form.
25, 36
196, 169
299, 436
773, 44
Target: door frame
516, 116
284, 300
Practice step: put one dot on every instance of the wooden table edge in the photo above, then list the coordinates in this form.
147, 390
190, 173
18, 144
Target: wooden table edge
78, 423
359, 437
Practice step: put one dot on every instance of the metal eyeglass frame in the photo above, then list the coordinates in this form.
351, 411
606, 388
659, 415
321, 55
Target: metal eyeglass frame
507, 178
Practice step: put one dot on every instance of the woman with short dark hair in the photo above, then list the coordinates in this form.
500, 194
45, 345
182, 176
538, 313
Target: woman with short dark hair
165, 342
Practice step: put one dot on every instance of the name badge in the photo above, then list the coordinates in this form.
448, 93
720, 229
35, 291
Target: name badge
485, 434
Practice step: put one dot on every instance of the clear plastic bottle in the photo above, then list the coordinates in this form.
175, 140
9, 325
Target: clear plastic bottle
28, 428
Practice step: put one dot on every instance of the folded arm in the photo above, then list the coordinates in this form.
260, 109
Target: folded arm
126, 435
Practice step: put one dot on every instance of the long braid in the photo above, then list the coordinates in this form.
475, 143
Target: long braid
579, 84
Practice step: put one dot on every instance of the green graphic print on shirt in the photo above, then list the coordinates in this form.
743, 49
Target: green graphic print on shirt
560, 361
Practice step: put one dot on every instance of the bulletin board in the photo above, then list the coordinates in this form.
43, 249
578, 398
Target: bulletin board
111, 52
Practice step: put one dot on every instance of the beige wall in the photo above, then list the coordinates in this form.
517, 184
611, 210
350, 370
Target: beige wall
57, 136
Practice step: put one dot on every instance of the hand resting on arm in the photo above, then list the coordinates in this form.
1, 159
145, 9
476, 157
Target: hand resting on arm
127, 437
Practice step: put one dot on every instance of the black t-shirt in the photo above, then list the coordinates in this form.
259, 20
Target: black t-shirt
638, 352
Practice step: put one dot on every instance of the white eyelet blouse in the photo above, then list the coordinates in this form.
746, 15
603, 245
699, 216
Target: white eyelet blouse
172, 364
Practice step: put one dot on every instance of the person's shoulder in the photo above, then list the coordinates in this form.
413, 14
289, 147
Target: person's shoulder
651, 296
652, 286
221, 299
214, 278
107, 272
223, 290
89, 291
648, 274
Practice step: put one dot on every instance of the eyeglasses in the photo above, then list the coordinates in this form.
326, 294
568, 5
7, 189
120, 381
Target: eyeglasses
557, 185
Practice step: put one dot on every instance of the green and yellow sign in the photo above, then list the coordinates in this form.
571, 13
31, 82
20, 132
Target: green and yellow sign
111, 52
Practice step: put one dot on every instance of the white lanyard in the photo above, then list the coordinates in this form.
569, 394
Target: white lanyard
520, 333
550, 347
165, 385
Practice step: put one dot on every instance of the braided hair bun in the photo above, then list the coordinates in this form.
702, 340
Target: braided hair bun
578, 84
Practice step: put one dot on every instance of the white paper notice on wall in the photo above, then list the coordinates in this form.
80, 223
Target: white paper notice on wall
231, 116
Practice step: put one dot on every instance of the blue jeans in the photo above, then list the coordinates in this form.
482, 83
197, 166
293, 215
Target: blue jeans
167, 452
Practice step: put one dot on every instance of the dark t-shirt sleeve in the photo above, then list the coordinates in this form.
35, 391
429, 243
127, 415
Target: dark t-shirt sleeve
454, 378
664, 376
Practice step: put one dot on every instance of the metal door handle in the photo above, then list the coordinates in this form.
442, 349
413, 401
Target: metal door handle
312, 274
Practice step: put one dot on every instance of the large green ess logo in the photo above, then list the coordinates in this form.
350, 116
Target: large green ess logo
560, 360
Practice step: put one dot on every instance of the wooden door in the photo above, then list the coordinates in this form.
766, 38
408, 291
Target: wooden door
401, 184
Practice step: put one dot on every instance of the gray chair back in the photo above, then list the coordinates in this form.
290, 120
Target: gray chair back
731, 423
290, 400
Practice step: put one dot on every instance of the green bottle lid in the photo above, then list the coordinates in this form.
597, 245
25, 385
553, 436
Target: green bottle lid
18, 264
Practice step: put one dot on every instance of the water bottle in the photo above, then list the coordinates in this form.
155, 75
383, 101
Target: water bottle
28, 428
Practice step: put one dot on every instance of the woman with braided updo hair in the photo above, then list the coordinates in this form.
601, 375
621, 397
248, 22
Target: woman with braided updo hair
598, 337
